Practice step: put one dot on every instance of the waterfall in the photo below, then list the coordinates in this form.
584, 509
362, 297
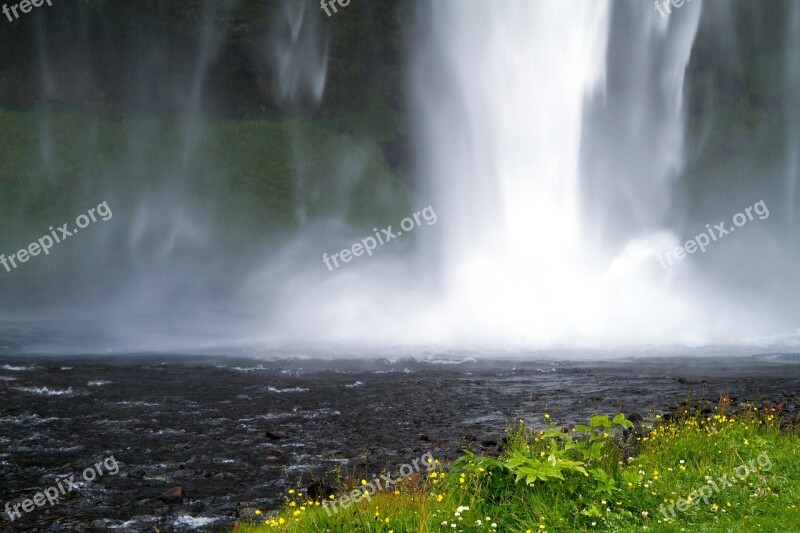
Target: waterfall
793, 110
539, 129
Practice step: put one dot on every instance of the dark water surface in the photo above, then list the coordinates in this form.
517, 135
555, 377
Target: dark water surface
231, 430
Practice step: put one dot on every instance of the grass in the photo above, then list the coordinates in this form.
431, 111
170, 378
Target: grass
731, 470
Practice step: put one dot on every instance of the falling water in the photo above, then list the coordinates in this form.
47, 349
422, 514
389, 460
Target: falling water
793, 110
552, 139
508, 126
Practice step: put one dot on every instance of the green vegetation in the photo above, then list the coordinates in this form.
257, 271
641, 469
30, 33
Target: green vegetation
242, 176
599, 477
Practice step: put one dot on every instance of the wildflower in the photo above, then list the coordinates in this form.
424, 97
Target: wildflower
363, 482
258, 512
546, 415
714, 507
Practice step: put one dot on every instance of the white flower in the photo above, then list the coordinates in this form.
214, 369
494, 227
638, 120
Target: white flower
494, 526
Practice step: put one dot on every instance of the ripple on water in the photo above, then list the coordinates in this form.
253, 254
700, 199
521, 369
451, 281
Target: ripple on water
17, 368
45, 391
290, 389
26, 419
194, 522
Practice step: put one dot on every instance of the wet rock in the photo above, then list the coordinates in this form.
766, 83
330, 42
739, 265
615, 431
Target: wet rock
277, 434
636, 418
173, 495
247, 510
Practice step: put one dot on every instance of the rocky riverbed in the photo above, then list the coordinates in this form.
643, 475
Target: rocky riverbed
235, 433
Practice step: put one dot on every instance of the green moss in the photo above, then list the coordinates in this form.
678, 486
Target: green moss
247, 176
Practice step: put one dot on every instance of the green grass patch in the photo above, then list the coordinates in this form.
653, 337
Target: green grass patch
732, 470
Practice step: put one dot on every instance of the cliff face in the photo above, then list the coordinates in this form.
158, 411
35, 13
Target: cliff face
95, 52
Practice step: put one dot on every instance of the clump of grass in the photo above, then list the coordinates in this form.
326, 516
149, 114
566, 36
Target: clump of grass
601, 476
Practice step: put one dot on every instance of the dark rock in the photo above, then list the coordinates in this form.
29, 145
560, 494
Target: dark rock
247, 510
277, 434
173, 495
636, 418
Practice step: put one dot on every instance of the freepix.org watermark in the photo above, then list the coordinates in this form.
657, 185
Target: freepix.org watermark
706, 491
369, 244
25, 6
715, 233
664, 4
46, 242
325, 4
52, 494
384, 482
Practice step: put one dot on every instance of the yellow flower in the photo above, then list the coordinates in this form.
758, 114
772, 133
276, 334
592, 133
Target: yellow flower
439, 498
546, 415
258, 512
714, 507
746, 442
291, 491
